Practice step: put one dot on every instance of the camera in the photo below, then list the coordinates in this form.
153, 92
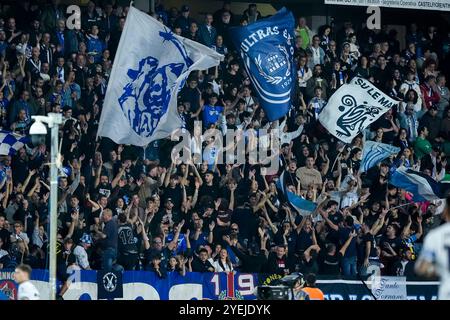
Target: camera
38, 133
273, 293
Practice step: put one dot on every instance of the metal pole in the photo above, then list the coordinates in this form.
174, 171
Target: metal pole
53, 201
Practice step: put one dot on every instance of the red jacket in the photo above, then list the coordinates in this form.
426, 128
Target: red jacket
430, 96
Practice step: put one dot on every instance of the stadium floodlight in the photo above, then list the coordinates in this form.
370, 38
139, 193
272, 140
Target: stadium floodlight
38, 132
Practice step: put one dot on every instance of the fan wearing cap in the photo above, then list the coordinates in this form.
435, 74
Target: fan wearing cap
184, 21
80, 251
232, 78
159, 248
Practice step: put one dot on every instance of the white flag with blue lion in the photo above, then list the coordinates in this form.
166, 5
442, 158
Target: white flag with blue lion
150, 68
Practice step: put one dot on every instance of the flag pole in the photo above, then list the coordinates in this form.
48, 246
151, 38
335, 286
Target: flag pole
335, 160
402, 205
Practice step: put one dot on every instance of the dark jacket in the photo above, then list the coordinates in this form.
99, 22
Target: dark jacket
250, 263
200, 266
207, 37
273, 264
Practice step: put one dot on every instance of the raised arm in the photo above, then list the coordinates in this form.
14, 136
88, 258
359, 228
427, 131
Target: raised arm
269, 221
174, 243
324, 214
116, 179
347, 243
168, 174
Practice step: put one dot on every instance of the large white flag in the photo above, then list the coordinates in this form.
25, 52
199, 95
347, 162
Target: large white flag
150, 67
353, 107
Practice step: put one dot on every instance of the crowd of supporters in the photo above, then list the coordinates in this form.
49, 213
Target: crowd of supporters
128, 208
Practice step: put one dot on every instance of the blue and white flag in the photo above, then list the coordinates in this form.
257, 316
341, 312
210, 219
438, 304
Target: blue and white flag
150, 67
303, 206
11, 142
422, 186
374, 153
267, 48
353, 107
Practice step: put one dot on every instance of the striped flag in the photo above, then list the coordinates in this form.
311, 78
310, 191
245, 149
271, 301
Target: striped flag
303, 206
374, 153
11, 142
422, 186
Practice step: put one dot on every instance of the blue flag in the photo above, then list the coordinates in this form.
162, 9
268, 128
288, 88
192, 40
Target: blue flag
302, 206
422, 186
267, 48
375, 152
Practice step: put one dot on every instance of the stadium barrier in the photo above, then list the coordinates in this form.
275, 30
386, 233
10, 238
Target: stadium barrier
142, 285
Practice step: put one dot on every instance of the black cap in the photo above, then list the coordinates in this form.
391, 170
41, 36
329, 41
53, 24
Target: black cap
185, 8
168, 199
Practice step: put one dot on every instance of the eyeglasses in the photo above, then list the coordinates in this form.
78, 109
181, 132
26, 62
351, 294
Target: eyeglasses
234, 229
157, 242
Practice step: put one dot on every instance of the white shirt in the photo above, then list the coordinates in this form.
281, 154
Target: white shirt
82, 257
218, 267
27, 291
316, 55
287, 137
436, 250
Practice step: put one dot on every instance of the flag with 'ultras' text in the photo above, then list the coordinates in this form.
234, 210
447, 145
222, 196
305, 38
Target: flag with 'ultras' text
150, 67
267, 49
353, 107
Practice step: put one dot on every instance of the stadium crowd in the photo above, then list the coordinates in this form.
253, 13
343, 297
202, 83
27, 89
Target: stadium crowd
127, 208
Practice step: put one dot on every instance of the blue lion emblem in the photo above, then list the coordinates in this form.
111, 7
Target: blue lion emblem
145, 98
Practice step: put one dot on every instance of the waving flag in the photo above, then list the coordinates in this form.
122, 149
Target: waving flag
150, 67
11, 142
422, 186
303, 206
267, 47
374, 153
353, 107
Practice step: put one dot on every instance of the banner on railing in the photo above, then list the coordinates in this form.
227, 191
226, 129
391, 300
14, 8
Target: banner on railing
141, 285
405, 4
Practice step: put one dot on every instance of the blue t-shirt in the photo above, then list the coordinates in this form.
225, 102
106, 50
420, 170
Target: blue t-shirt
4, 103
344, 233
211, 114
202, 240
95, 47
181, 246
